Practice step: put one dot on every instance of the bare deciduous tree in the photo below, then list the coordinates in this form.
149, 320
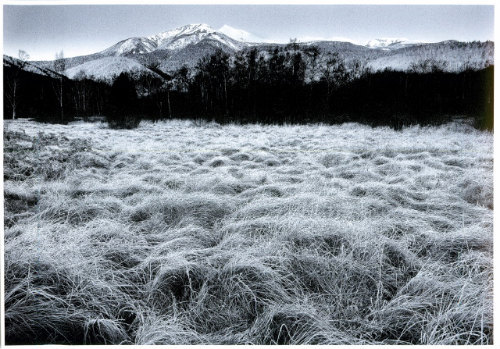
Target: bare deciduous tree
60, 67
13, 81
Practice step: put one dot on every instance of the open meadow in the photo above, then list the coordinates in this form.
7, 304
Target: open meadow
186, 232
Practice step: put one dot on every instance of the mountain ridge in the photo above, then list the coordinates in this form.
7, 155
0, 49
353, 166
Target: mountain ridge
186, 45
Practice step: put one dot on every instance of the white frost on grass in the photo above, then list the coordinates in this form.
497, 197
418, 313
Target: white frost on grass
176, 233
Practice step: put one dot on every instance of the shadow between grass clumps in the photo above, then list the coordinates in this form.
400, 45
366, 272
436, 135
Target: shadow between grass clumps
174, 285
18, 205
198, 209
45, 304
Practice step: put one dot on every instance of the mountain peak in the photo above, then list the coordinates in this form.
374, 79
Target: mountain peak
130, 46
183, 30
239, 34
181, 37
196, 26
388, 43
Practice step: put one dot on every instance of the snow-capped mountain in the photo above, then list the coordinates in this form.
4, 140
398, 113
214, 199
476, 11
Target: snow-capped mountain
131, 46
175, 39
172, 49
190, 34
389, 43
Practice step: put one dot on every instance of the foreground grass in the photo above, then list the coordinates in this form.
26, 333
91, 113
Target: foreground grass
178, 234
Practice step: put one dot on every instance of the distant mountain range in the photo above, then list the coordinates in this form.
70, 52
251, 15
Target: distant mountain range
184, 46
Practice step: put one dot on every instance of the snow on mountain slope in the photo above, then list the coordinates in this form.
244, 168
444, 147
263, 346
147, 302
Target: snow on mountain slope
29, 67
131, 46
186, 30
108, 67
388, 43
181, 37
239, 34
188, 56
453, 56
173, 40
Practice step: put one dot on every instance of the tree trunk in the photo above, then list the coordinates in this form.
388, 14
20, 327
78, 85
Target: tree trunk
14, 100
225, 94
61, 100
169, 107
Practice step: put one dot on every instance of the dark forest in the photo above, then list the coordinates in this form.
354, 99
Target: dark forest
251, 89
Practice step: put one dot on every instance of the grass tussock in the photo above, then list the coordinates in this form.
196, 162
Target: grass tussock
178, 233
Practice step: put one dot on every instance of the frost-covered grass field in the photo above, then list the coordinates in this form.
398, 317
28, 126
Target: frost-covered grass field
176, 233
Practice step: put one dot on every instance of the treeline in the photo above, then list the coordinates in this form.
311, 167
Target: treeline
283, 85
402, 98
276, 90
54, 99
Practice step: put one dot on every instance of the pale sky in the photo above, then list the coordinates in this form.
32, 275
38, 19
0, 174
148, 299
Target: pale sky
83, 29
